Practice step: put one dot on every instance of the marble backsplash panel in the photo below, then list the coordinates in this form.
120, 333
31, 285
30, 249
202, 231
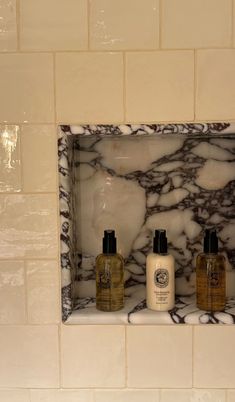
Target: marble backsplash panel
135, 185
135, 179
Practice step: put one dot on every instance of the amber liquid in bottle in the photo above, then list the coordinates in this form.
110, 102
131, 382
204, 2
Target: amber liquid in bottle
109, 282
210, 276
109, 276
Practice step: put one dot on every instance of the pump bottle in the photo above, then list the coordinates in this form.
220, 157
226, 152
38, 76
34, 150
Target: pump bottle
210, 275
160, 275
109, 276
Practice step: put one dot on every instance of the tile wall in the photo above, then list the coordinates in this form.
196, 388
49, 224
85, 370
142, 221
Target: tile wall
99, 61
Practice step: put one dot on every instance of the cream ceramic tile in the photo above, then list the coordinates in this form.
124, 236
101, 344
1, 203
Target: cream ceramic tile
176, 395
231, 395
54, 25
43, 297
159, 86
99, 360
213, 363
233, 23
43, 395
29, 356
12, 292
159, 356
89, 87
215, 84
28, 226
208, 395
14, 395
136, 395
8, 31
46, 395
10, 173
194, 23
195, 395
115, 24
39, 158
26, 86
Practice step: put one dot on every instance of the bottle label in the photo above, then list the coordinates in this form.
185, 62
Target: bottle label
161, 277
104, 280
214, 280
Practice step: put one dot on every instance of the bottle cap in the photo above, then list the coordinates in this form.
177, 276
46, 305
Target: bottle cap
109, 242
160, 242
210, 241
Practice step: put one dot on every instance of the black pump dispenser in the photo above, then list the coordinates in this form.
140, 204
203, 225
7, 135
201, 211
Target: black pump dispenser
210, 241
109, 242
160, 242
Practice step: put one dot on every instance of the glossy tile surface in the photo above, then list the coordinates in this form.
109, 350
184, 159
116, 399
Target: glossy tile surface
38, 150
28, 226
10, 158
12, 292
61, 395
159, 357
134, 395
194, 395
196, 25
26, 86
115, 24
213, 363
215, 101
15, 395
231, 395
42, 292
8, 30
64, 28
29, 356
159, 86
101, 352
89, 87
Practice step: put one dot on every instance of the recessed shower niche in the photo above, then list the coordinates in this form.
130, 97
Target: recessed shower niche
134, 179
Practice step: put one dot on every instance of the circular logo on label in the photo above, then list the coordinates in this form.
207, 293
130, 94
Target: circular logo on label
161, 277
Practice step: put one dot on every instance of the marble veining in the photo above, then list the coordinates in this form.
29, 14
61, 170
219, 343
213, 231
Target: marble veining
167, 176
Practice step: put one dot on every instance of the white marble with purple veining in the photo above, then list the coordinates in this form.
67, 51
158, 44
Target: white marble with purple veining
135, 179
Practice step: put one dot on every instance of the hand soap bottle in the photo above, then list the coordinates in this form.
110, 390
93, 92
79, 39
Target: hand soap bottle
210, 275
109, 276
160, 275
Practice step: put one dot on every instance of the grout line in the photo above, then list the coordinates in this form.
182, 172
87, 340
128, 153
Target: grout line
88, 25
124, 87
17, 25
126, 363
60, 355
193, 355
21, 163
137, 50
54, 86
232, 22
26, 294
160, 19
195, 85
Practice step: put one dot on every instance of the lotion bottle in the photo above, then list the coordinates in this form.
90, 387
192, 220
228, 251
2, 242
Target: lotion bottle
160, 275
109, 276
210, 275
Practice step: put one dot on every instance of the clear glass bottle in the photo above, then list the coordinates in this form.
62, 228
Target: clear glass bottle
210, 275
109, 276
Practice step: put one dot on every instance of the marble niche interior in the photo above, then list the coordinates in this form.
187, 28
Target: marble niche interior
135, 179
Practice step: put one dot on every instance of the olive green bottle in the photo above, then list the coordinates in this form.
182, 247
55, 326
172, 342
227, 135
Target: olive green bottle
109, 276
210, 275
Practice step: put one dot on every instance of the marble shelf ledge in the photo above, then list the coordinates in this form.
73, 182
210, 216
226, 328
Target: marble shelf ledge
135, 312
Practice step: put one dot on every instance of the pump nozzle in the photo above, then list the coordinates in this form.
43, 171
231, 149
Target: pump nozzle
210, 241
160, 242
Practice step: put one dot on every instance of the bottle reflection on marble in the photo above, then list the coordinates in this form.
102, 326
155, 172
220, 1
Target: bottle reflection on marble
210, 275
109, 276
